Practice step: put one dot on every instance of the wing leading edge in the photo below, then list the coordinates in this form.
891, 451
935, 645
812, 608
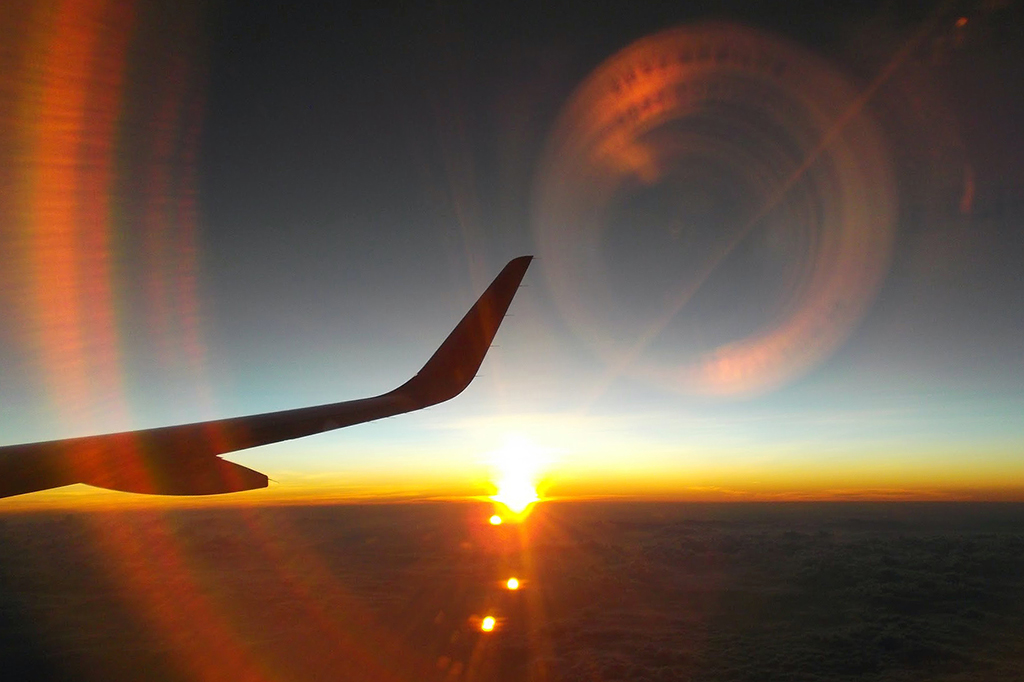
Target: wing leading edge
183, 460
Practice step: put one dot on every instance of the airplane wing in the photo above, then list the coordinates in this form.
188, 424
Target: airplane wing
183, 460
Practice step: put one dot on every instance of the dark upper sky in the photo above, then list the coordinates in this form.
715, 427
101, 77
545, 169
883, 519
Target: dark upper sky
358, 140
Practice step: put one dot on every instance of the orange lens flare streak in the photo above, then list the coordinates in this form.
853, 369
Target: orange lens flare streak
69, 249
72, 110
153, 568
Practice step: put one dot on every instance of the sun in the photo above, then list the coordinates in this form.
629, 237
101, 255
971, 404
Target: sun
517, 467
517, 495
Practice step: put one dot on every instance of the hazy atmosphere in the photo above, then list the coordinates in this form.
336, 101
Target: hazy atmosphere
753, 414
779, 246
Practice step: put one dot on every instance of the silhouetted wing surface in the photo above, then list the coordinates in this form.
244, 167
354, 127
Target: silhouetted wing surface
182, 460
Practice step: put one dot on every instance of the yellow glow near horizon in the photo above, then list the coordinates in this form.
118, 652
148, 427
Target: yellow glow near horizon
512, 584
518, 463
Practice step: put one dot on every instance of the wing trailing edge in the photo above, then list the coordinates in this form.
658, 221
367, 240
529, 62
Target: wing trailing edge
183, 460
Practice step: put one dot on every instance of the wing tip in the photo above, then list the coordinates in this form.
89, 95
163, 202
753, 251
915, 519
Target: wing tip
454, 364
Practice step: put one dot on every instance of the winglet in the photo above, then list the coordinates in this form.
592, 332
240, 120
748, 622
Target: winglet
454, 364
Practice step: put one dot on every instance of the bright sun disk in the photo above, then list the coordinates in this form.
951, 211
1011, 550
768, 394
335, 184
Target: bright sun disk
518, 463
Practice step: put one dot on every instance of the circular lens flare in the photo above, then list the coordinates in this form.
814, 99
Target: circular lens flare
715, 210
487, 624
